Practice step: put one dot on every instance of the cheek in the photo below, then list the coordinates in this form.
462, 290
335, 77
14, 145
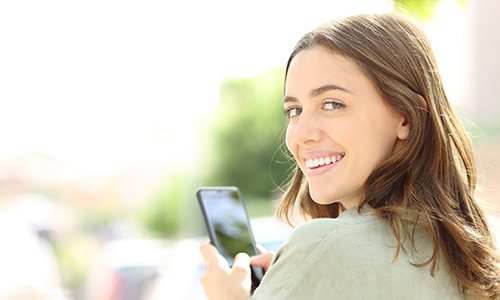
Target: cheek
368, 143
290, 143
385, 135
380, 140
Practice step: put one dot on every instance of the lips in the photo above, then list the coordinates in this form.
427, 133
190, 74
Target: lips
317, 162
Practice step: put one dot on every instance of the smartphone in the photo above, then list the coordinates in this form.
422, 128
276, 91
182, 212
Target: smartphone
228, 226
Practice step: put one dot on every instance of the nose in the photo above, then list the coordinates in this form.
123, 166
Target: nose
306, 130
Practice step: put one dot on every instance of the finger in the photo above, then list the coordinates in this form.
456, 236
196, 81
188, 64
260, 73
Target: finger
212, 257
261, 249
209, 252
262, 260
241, 260
255, 260
241, 264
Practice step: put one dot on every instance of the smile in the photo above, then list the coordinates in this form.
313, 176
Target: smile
312, 163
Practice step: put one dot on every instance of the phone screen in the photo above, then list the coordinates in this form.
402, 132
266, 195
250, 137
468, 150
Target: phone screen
228, 225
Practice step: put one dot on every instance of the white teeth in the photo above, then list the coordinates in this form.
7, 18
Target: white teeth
316, 162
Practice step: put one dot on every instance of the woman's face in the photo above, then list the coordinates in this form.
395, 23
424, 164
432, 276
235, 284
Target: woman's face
339, 128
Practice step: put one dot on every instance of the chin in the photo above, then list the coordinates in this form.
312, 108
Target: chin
347, 201
321, 199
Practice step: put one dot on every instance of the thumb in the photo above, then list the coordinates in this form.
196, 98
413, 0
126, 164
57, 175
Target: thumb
241, 264
242, 260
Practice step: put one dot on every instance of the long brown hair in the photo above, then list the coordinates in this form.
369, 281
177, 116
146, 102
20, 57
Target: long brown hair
434, 173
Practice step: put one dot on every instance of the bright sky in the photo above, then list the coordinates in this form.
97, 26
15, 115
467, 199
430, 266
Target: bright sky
86, 81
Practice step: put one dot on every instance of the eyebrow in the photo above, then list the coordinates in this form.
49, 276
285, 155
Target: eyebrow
318, 91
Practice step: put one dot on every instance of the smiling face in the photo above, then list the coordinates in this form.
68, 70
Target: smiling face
339, 128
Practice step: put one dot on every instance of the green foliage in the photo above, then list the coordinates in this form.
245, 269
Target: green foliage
162, 213
422, 9
246, 132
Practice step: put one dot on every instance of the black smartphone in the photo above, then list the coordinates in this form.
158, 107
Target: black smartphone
228, 226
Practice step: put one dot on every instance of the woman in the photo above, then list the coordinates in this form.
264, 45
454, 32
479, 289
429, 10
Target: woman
385, 170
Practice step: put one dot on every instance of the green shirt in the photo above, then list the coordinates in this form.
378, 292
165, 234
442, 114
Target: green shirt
353, 257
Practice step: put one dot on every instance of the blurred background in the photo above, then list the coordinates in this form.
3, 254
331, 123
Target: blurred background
114, 112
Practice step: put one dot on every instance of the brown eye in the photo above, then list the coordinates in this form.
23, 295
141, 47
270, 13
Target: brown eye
293, 112
333, 105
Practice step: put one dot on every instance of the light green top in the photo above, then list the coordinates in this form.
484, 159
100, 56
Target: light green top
352, 257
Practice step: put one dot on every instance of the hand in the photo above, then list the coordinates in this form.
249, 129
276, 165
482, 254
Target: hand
262, 260
220, 281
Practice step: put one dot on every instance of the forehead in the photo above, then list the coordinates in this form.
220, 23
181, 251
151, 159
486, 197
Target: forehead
319, 66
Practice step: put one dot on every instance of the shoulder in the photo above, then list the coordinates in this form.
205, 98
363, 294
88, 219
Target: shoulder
336, 242
337, 256
328, 254
350, 225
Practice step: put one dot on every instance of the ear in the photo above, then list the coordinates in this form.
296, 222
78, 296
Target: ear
422, 101
403, 129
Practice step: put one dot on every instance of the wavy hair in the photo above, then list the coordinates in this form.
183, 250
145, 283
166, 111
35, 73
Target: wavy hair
434, 173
